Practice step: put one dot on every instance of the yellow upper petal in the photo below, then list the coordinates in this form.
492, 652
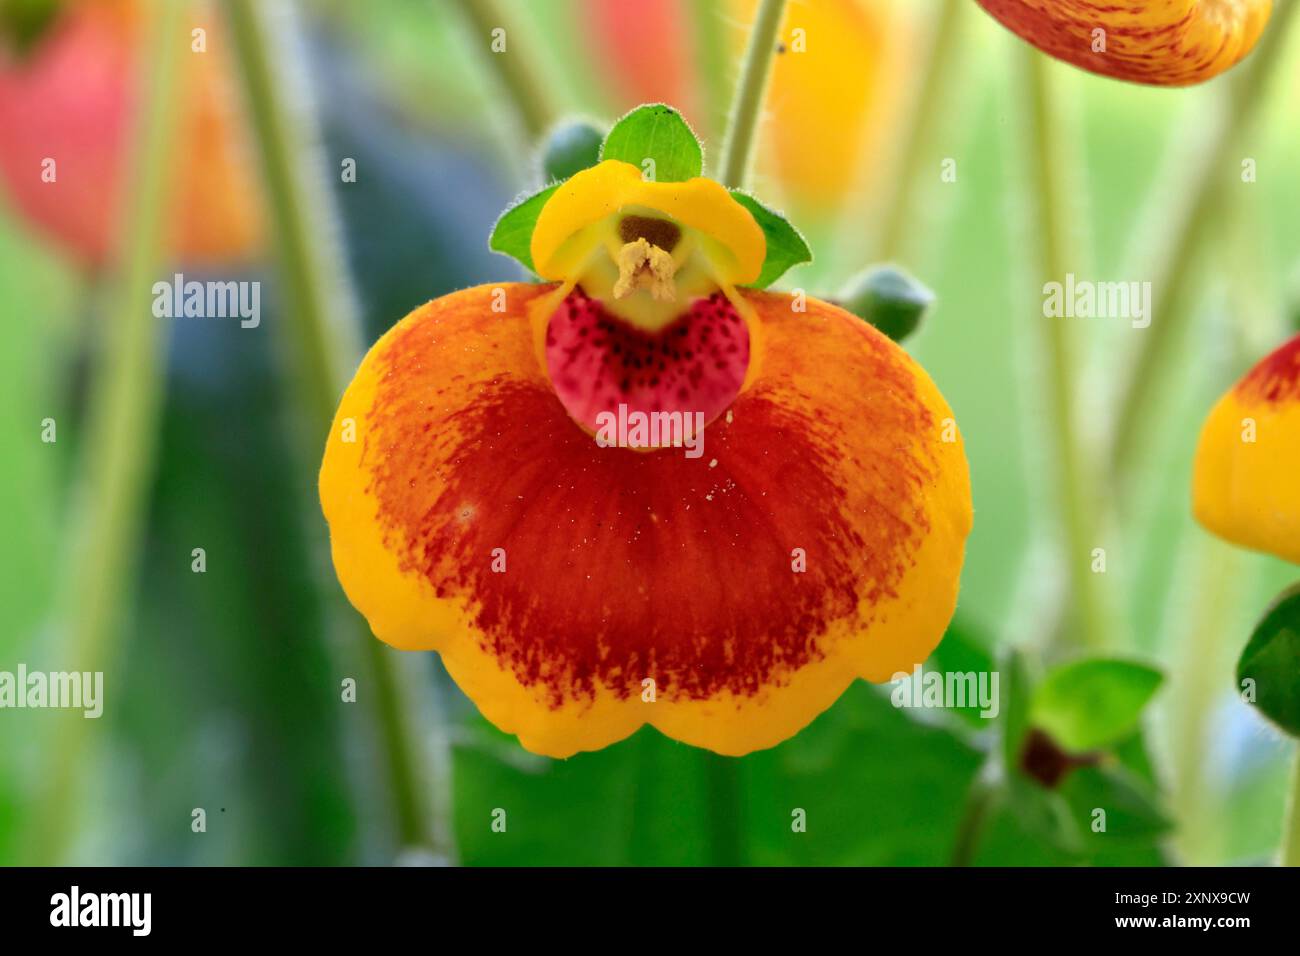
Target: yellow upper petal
601, 191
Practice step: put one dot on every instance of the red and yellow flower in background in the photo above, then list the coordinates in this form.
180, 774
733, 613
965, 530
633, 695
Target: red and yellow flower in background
577, 591
1158, 42
1246, 483
73, 98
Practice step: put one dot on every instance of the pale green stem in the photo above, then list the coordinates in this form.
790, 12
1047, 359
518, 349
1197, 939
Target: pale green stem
1290, 849
1194, 225
322, 331
925, 119
751, 92
1211, 583
117, 460
514, 67
1049, 181
712, 53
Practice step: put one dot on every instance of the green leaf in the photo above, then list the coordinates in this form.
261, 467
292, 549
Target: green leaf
1271, 663
785, 247
888, 298
1131, 811
659, 134
1092, 703
513, 233
875, 786
1030, 826
570, 148
879, 788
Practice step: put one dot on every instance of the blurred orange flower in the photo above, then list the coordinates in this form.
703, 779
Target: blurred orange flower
67, 108
1158, 42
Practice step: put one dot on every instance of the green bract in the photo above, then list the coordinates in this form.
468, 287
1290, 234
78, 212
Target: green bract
658, 141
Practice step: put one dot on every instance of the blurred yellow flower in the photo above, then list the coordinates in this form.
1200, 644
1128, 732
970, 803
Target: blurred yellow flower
1246, 480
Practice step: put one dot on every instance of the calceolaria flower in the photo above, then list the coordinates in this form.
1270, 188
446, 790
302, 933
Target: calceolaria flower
1158, 42
1245, 484
643, 490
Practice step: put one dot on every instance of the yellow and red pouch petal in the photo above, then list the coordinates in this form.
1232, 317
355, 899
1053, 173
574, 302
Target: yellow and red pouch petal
472, 515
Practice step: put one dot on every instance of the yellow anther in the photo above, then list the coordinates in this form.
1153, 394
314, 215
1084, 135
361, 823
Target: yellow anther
645, 266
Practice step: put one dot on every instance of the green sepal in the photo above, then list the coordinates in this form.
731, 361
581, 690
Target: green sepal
786, 248
513, 233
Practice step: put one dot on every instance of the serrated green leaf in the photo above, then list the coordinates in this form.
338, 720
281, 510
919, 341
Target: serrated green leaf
513, 233
1089, 704
1271, 662
659, 134
785, 246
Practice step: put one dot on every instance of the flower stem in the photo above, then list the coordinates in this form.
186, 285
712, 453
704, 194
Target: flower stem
1193, 225
928, 115
124, 405
751, 91
1290, 849
1049, 173
324, 338
515, 70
